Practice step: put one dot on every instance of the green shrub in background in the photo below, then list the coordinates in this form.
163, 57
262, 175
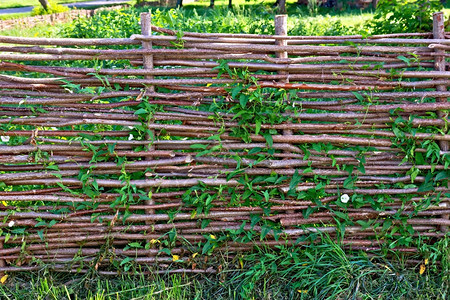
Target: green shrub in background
104, 24
125, 22
53, 8
254, 20
391, 16
396, 16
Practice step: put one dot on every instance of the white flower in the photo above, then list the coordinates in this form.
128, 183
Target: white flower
345, 198
130, 137
5, 138
11, 224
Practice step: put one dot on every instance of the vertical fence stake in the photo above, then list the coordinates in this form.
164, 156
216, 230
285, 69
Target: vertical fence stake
146, 29
439, 65
2, 261
281, 29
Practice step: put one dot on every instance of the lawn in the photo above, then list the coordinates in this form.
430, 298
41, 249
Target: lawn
246, 16
20, 3
324, 271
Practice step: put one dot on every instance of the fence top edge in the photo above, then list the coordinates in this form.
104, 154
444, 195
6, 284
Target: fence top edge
66, 41
134, 40
313, 40
262, 36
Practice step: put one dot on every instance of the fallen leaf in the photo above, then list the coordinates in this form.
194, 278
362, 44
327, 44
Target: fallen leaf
113, 221
3, 279
141, 94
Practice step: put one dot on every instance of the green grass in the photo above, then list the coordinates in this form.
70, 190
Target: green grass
4, 4
319, 271
21, 3
254, 16
40, 30
254, 19
14, 16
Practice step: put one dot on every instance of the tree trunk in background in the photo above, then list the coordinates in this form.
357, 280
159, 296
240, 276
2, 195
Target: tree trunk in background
374, 4
282, 7
44, 4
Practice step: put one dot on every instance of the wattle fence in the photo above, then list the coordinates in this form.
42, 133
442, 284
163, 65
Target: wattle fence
166, 148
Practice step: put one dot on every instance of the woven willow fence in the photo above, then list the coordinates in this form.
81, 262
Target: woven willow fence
163, 149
